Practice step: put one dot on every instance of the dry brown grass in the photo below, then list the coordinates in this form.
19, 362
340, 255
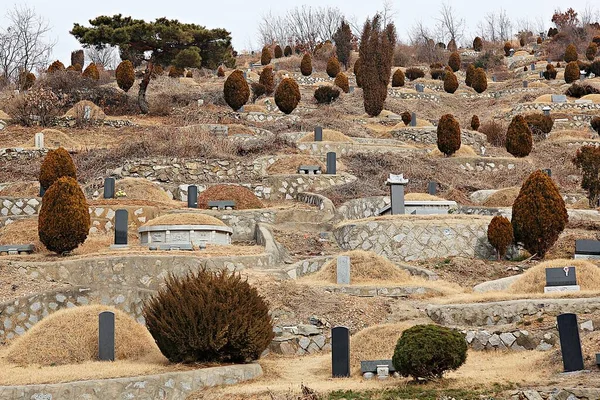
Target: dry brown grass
570, 135
421, 197
22, 231
458, 218
244, 198
21, 189
77, 109
421, 123
534, 280
463, 151
594, 97
185, 218
53, 139
70, 336
4, 116
329, 135
545, 98
290, 164
502, 198
255, 108
142, 189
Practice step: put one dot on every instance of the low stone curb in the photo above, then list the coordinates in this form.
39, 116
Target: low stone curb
168, 386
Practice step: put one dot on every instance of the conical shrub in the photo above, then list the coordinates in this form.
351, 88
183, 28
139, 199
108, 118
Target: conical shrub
572, 72
236, 90
469, 75
479, 80
306, 65
91, 72
341, 81
539, 214
477, 44
64, 218
125, 75
454, 61
519, 141
398, 78
450, 82
591, 51
55, 67
356, 70
571, 53
266, 79
265, 57
220, 71
287, 51
475, 122
57, 164
448, 135
287, 95
333, 67
278, 52
500, 235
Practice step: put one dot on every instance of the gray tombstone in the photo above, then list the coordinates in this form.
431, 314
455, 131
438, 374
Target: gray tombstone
561, 276
413, 119
318, 134
581, 75
559, 98
493, 78
106, 336
109, 188
351, 89
432, 188
525, 84
192, 196
87, 113
245, 74
419, 87
570, 344
343, 270
587, 249
511, 52
340, 352
396, 184
39, 140
331, 163
548, 172
541, 74
533, 66
121, 225
546, 110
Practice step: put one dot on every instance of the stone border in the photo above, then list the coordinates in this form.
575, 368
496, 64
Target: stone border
374, 291
167, 386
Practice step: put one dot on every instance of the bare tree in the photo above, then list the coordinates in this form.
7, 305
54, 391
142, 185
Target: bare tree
388, 13
496, 26
422, 39
588, 16
504, 25
451, 26
105, 56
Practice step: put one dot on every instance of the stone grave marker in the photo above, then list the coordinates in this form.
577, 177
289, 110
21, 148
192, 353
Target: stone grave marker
587, 249
121, 227
493, 78
192, 196
87, 113
2, 125
533, 66
309, 169
39, 140
570, 345
432, 188
420, 88
581, 75
546, 110
598, 360
340, 352
350, 89
109, 188
559, 98
383, 372
318, 134
548, 172
413, 119
541, 74
511, 52
221, 205
525, 84
245, 74
106, 336
343, 270
396, 184
331, 163
561, 280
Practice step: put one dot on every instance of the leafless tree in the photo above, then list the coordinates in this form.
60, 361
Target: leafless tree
388, 13
540, 26
25, 42
422, 38
450, 25
588, 16
105, 56
496, 26
504, 25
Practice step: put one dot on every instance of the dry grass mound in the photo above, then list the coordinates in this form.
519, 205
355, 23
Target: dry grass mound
420, 124
290, 164
570, 135
365, 267
53, 139
70, 336
21, 189
537, 84
255, 108
329, 135
141, 189
422, 197
4, 116
545, 98
521, 53
243, 197
463, 151
21, 231
78, 109
534, 280
502, 198
593, 97
191, 218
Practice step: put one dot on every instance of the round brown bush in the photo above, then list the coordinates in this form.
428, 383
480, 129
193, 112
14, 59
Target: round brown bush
220, 71
74, 68
125, 75
55, 66
550, 72
64, 218
519, 141
266, 79
398, 78
176, 72
477, 44
236, 90
306, 65
265, 57
406, 117
414, 73
341, 81
333, 67
572, 72
474, 122
595, 123
91, 72
244, 198
454, 61
78, 57
500, 235
469, 75
278, 52
540, 124
287, 95
448, 135
507, 47
189, 74
450, 82
539, 214
356, 70
479, 80
57, 164
258, 89
326, 94
437, 74
26, 80
209, 317
571, 53
596, 39
452, 45
287, 51
591, 51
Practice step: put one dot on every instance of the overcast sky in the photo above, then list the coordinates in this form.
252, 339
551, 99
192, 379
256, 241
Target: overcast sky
241, 17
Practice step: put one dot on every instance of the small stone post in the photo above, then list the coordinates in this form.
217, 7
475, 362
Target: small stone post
396, 184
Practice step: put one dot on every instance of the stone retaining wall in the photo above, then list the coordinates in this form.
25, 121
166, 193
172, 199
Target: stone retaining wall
508, 312
516, 340
556, 107
16, 153
428, 135
325, 206
397, 94
167, 386
15, 206
322, 148
409, 238
300, 340
365, 207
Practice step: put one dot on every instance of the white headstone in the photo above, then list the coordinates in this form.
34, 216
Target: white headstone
397, 179
87, 113
343, 270
200, 102
39, 140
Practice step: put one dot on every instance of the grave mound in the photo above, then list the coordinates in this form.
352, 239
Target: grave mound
141, 189
421, 197
365, 267
329, 135
570, 135
191, 218
70, 336
502, 198
545, 98
79, 107
21, 231
463, 151
53, 139
244, 198
593, 97
290, 164
534, 280
21, 189
4, 116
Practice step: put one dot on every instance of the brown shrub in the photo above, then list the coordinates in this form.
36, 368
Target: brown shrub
265, 57
469, 75
91, 72
550, 72
39, 101
220, 71
236, 90
475, 122
287, 95
398, 78
477, 44
64, 219
57, 164
406, 117
495, 132
176, 72
500, 235
326, 94
125, 75
266, 79
278, 52
507, 47
450, 82
479, 80
518, 137
258, 89
306, 65
572, 72
587, 159
26, 80
55, 66
595, 124
287, 51
591, 51
540, 124
571, 53
448, 135
244, 198
341, 81
437, 74
356, 70
454, 61
414, 73
333, 67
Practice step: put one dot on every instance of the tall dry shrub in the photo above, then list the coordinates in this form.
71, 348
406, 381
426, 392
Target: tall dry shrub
265, 57
55, 66
236, 90
571, 53
333, 67
306, 65
587, 159
572, 72
469, 75
477, 44
500, 235
266, 78
287, 95
479, 80
398, 78
91, 72
341, 81
591, 51
450, 82
448, 135
287, 51
475, 122
454, 61
57, 164
125, 75
278, 52
519, 140
357, 70
343, 43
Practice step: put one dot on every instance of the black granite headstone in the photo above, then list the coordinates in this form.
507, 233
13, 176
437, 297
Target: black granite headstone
318, 134
525, 84
331, 163
587, 247
570, 345
121, 224
340, 352
109, 188
432, 188
192, 196
561, 276
106, 336
598, 360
